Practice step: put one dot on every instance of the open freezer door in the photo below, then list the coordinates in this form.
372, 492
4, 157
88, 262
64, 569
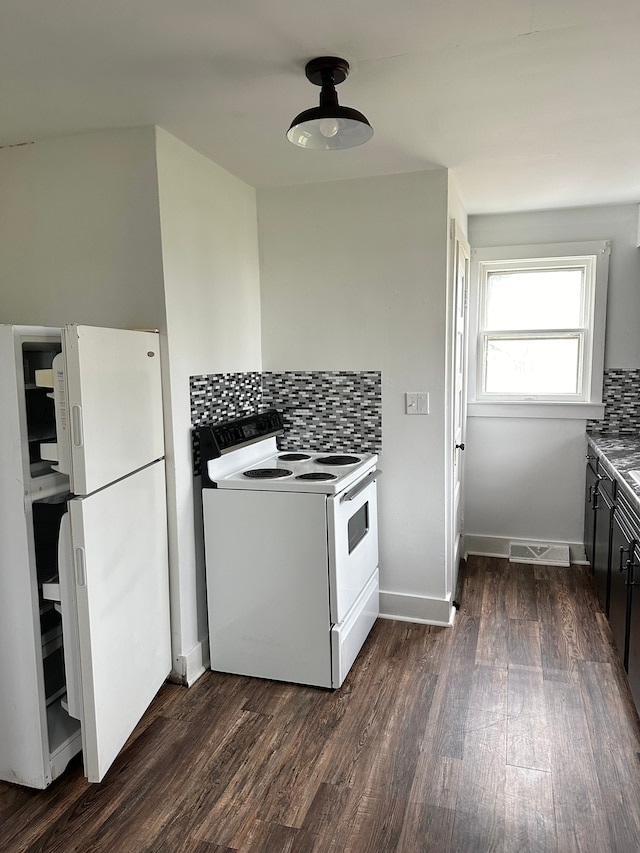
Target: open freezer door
108, 404
120, 574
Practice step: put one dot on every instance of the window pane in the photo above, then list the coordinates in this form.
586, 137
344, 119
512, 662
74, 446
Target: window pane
534, 299
537, 366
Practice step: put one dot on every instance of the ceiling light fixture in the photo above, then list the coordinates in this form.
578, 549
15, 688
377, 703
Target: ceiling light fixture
329, 126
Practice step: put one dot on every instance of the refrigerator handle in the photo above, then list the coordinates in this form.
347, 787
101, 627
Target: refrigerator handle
76, 426
71, 645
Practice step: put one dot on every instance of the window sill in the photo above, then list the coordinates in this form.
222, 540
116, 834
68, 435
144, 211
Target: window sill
534, 409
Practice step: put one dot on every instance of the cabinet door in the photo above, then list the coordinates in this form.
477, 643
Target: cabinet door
622, 545
633, 655
601, 562
590, 512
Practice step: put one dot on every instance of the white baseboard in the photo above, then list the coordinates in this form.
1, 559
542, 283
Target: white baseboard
188, 668
416, 608
498, 546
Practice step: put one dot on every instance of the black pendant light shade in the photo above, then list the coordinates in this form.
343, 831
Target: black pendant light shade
329, 126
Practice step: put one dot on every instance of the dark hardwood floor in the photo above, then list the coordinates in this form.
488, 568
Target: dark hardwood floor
512, 731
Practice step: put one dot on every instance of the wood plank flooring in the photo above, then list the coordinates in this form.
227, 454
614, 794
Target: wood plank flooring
512, 731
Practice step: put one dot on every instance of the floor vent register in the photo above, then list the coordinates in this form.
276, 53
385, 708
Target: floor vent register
530, 552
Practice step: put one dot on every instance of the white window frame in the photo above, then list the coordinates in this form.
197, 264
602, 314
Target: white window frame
593, 256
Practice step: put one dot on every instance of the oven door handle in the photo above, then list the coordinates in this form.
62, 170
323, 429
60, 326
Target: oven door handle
361, 486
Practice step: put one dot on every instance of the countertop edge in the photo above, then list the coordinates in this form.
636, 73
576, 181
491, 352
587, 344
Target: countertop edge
619, 455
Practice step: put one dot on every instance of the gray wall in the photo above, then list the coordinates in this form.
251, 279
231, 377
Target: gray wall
80, 232
525, 476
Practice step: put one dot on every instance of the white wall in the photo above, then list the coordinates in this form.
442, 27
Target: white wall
212, 294
353, 277
456, 207
80, 232
85, 237
525, 477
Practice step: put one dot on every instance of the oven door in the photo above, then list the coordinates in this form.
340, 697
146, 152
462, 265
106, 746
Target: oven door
353, 543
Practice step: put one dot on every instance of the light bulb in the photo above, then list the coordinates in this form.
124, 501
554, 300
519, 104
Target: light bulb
329, 127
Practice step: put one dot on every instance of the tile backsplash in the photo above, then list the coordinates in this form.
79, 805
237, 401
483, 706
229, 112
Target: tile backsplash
224, 396
337, 410
621, 396
327, 410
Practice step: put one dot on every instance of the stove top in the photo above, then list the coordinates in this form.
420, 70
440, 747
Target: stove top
295, 472
243, 454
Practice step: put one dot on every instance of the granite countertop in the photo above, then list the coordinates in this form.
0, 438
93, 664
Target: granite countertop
620, 454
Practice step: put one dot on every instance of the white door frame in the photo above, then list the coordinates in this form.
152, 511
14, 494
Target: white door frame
458, 290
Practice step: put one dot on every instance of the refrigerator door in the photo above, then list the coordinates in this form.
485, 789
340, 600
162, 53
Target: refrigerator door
109, 404
69, 612
119, 572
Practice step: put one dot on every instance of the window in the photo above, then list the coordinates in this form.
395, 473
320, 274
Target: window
540, 321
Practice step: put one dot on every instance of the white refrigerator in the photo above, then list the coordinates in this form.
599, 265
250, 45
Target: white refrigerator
84, 598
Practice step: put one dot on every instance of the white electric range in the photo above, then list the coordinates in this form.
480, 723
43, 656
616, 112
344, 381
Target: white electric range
291, 552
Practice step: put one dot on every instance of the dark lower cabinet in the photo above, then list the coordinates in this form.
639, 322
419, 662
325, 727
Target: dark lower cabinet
601, 564
590, 507
633, 652
612, 543
624, 610
599, 502
622, 547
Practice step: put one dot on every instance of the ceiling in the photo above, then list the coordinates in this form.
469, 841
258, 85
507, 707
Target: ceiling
531, 104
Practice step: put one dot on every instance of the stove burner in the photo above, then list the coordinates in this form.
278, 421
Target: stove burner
317, 475
337, 460
267, 473
293, 457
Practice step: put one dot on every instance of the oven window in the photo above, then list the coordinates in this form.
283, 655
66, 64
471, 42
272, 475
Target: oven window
358, 526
